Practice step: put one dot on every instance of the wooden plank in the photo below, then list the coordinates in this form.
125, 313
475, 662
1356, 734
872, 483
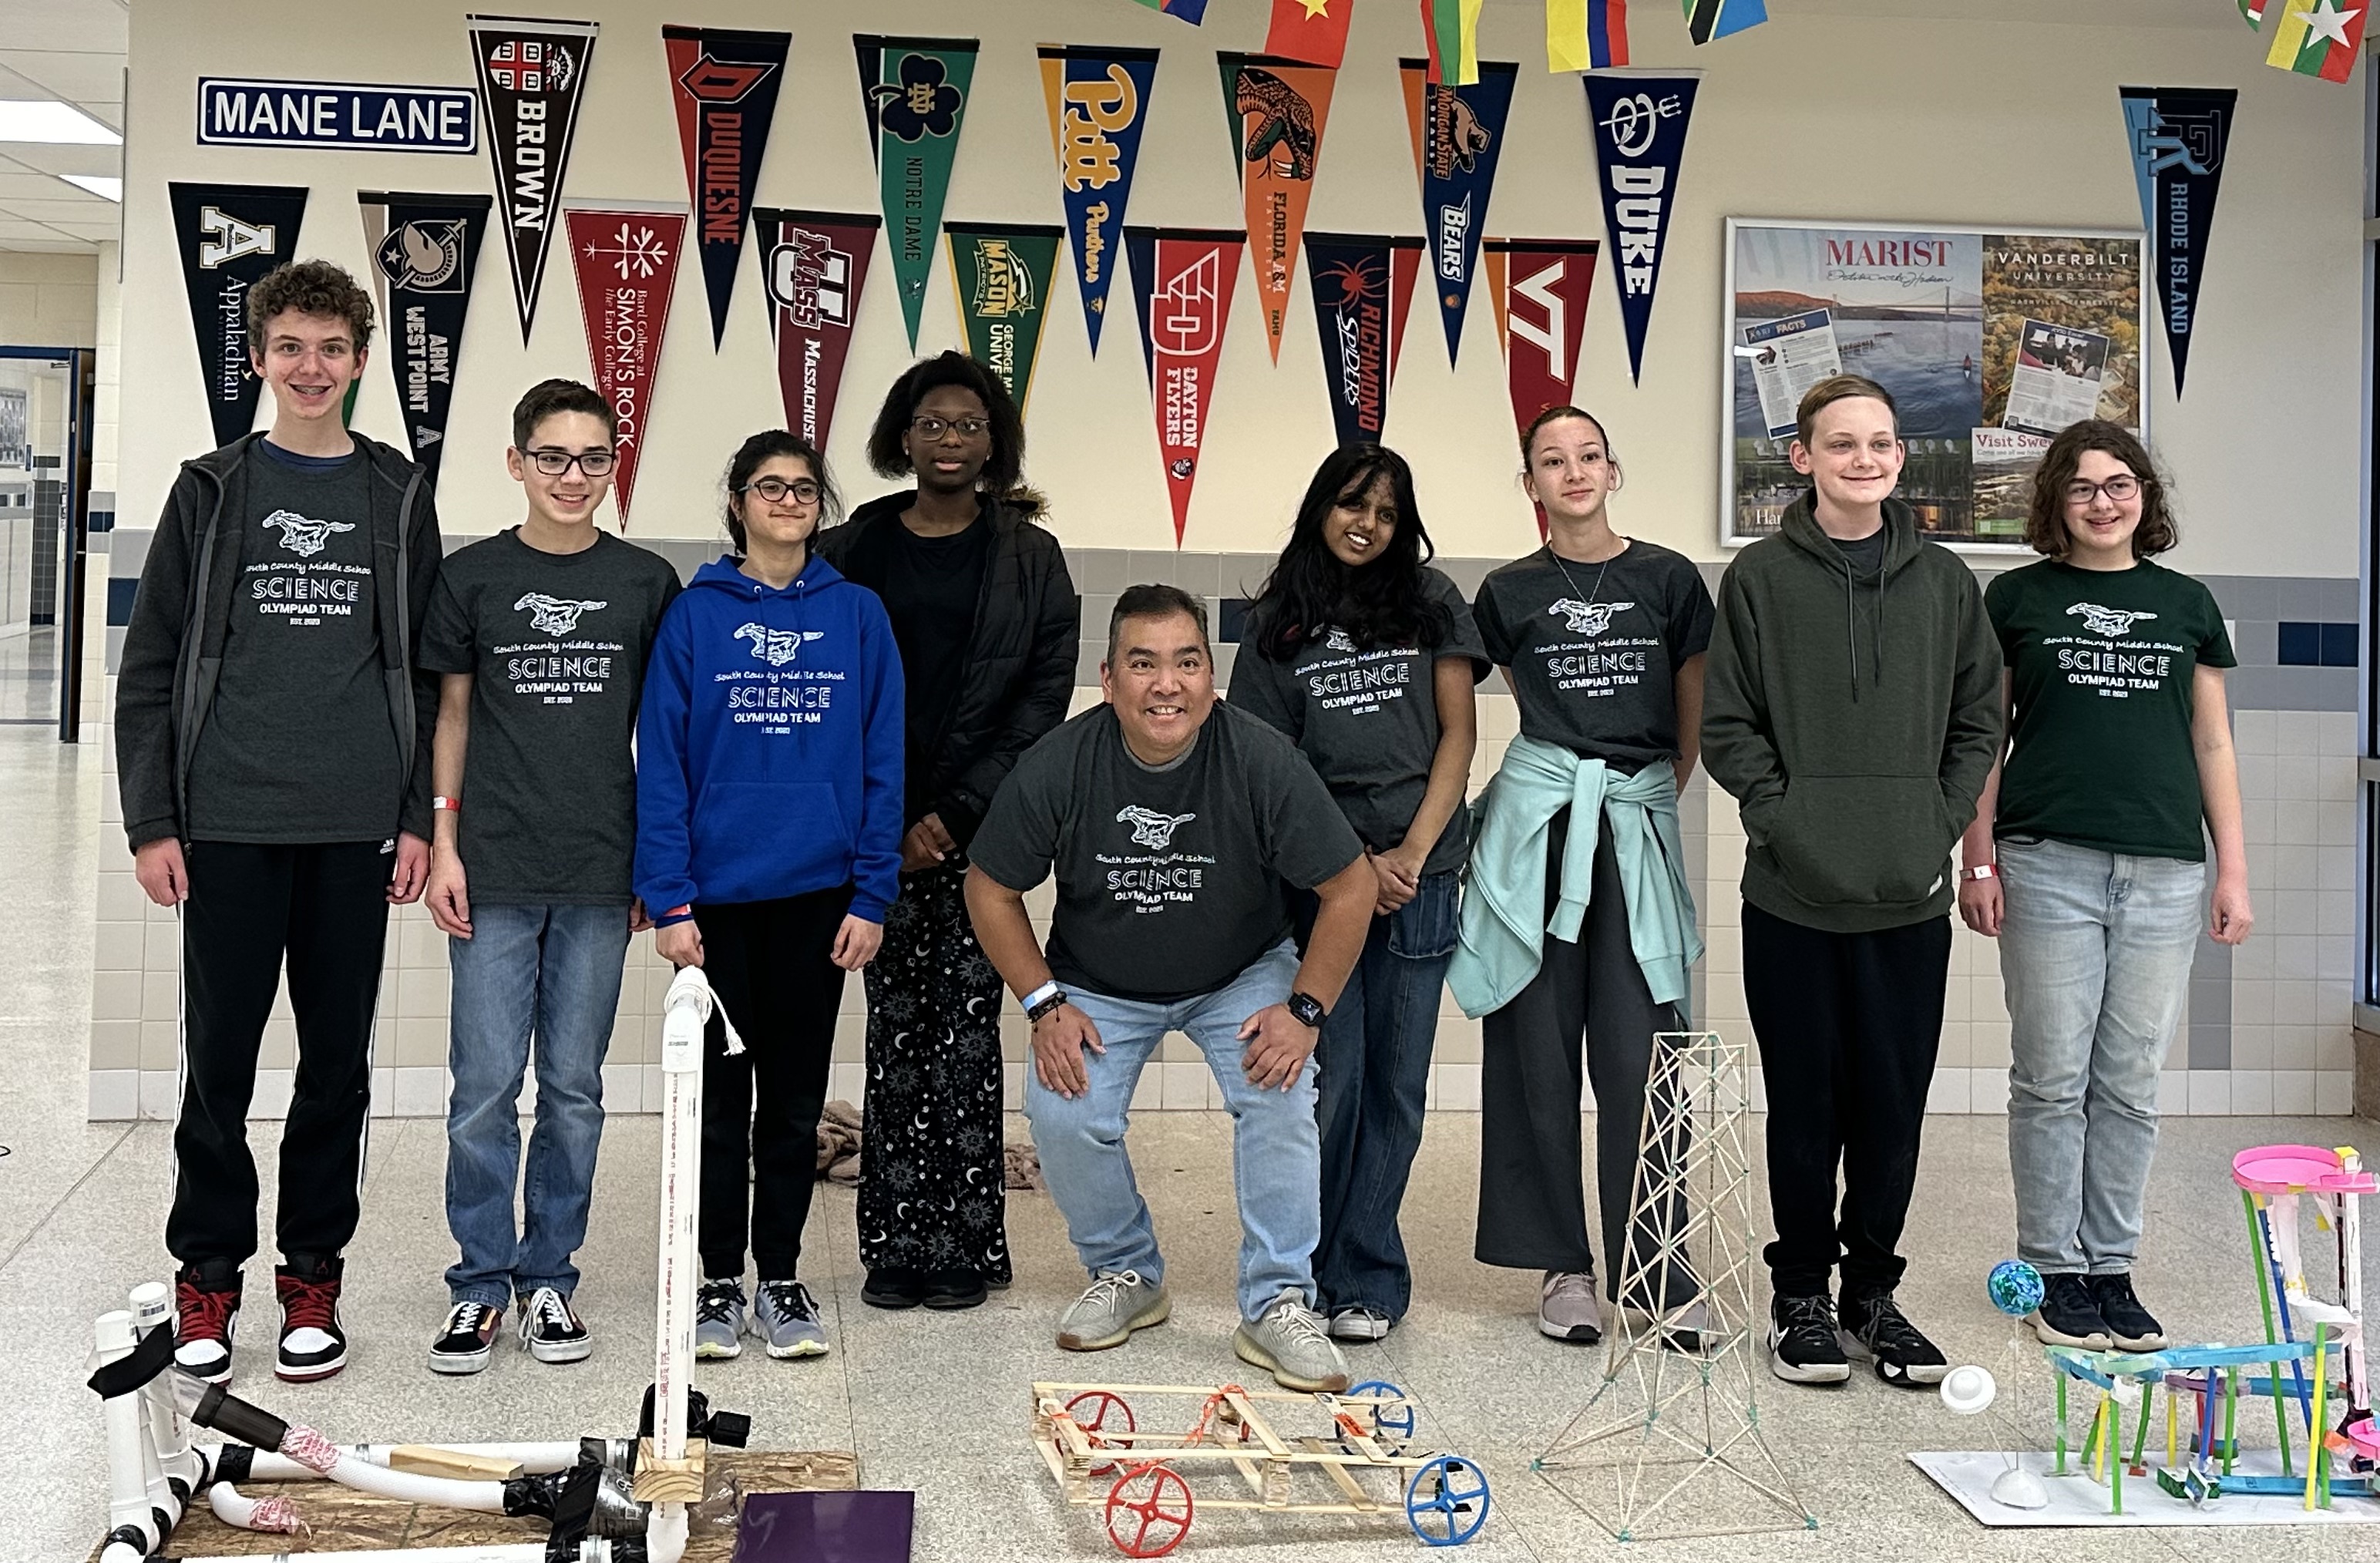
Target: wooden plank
1347, 1484
1240, 1401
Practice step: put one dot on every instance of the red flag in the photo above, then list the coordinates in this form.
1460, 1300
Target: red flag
627, 270
1311, 31
1182, 284
1540, 287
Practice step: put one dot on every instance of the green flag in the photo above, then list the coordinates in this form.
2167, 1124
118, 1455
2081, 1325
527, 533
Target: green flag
1000, 275
915, 91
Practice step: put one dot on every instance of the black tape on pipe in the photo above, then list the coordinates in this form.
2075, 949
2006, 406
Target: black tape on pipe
151, 1357
233, 1462
235, 1418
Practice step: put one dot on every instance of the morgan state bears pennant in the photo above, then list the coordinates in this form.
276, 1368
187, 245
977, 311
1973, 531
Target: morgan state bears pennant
1182, 285
1278, 108
1098, 104
915, 93
725, 84
1363, 287
1458, 132
627, 271
425, 250
532, 74
230, 237
814, 264
1639, 125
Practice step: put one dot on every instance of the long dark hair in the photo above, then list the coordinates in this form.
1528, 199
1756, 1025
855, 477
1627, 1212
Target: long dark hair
760, 447
1003, 474
1310, 591
2045, 520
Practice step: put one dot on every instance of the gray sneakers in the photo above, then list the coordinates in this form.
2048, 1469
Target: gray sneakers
1292, 1343
1569, 1307
1109, 1308
719, 1319
785, 1318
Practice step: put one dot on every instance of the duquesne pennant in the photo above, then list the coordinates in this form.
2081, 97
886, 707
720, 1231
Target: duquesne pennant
1279, 109
1458, 132
1000, 275
532, 74
425, 250
230, 236
1540, 287
627, 271
725, 82
1182, 287
1639, 125
2178, 135
815, 263
1099, 105
1363, 287
915, 93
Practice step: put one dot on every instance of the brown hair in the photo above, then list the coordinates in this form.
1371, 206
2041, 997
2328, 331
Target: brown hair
760, 447
309, 287
1839, 388
552, 399
2045, 522
1555, 415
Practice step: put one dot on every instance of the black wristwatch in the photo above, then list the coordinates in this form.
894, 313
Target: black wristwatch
1307, 1010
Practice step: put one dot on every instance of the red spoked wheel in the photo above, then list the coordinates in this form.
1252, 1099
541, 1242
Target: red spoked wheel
1149, 1510
1097, 1411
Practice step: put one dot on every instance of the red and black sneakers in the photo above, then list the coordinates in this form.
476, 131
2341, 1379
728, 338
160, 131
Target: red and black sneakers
206, 1311
312, 1344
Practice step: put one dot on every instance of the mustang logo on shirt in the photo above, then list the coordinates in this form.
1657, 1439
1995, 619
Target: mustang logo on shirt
2109, 621
1338, 640
1150, 828
302, 537
1588, 618
776, 647
555, 615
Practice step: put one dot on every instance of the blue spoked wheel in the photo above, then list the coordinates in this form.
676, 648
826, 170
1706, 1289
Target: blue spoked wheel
1391, 1424
1448, 1501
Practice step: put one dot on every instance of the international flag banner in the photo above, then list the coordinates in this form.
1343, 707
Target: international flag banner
425, 250
2178, 135
230, 236
814, 264
1099, 105
627, 271
1639, 125
1182, 289
1451, 31
1707, 19
1585, 34
1192, 11
1458, 133
1310, 31
1540, 287
2253, 13
915, 91
1363, 290
1278, 108
1000, 275
724, 83
532, 74
2316, 38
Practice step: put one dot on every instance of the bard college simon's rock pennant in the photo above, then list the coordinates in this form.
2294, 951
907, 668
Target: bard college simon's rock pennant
627, 272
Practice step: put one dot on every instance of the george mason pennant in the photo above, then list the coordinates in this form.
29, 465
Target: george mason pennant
1098, 104
1182, 289
1277, 109
814, 264
627, 273
1639, 125
1362, 289
725, 82
2178, 135
1000, 275
532, 74
915, 93
1458, 133
425, 251
1540, 288
230, 237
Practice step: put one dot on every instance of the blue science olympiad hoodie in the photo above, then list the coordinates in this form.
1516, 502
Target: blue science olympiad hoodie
769, 746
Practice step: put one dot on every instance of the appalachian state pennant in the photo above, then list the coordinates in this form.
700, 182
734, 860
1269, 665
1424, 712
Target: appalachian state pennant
532, 74
1001, 273
425, 250
1098, 104
1540, 289
724, 83
230, 237
915, 91
2178, 135
1458, 133
1639, 125
1279, 107
815, 263
1182, 287
1363, 287
627, 271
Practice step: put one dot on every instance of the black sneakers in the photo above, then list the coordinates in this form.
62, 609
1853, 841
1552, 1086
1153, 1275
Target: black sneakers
551, 1329
1872, 1327
1802, 1344
206, 1312
312, 1344
947, 1289
466, 1338
894, 1286
2130, 1326
2068, 1316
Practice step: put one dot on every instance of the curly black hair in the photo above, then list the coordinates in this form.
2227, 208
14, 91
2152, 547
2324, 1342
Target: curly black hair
1310, 591
1003, 474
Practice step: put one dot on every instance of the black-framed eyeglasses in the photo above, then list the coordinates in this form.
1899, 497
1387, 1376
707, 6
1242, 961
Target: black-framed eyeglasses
2121, 487
776, 491
552, 463
925, 426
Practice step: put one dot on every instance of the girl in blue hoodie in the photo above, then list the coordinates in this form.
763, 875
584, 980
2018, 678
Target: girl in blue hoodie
769, 845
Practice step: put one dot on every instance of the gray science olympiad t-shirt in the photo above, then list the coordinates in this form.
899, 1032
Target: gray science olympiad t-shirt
556, 644
1171, 883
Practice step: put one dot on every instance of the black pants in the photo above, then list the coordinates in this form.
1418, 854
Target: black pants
327, 909
933, 1191
770, 964
1531, 1201
1849, 1026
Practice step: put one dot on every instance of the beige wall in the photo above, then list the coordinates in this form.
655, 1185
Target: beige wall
48, 300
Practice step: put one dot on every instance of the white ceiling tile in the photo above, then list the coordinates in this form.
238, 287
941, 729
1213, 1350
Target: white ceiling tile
74, 77
83, 208
42, 159
89, 26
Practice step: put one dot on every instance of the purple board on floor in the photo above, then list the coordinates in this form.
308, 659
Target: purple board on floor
824, 1528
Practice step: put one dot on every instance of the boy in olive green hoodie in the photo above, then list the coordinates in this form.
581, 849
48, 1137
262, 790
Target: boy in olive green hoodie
1853, 709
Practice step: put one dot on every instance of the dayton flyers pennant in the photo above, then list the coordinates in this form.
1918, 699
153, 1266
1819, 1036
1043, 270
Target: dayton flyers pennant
1000, 275
1458, 133
915, 91
1639, 125
425, 250
627, 271
230, 237
1099, 105
1363, 287
1181, 286
814, 264
532, 74
1540, 289
725, 85
1279, 108
2178, 135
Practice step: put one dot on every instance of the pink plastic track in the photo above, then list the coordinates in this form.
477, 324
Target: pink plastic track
2279, 1169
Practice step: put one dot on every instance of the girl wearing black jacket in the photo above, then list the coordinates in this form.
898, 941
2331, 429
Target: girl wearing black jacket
987, 622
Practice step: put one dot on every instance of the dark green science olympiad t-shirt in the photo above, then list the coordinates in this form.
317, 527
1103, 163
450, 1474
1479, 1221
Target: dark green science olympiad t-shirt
1170, 882
1367, 719
556, 644
2101, 663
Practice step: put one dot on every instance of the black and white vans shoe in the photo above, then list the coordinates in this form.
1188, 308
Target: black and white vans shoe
1802, 1348
551, 1329
1874, 1329
466, 1338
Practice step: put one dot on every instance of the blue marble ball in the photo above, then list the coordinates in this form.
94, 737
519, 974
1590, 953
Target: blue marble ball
2015, 1288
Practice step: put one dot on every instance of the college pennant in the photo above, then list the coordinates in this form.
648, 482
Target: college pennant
1311, 32
532, 74
1000, 275
915, 91
627, 272
1098, 104
1458, 133
725, 82
1639, 127
425, 250
1540, 287
1707, 19
814, 264
1363, 287
1182, 289
2317, 38
1585, 34
2178, 135
230, 237
1278, 108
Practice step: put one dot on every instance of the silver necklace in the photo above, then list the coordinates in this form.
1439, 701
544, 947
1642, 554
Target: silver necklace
1597, 595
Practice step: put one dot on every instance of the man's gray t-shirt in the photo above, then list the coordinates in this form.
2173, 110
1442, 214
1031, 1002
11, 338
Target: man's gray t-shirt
1367, 718
556, 644
299, 746
1171, 882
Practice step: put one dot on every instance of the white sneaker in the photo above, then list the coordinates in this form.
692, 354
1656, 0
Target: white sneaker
1361, 1323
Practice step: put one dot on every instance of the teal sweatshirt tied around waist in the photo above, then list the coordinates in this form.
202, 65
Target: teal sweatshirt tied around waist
1504, 921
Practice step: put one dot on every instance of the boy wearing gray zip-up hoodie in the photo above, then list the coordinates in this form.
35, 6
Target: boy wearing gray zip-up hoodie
1852, 708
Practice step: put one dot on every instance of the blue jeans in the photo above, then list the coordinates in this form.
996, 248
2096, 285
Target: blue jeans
553, 972
2094, 951
1375, 1055
1276, 1150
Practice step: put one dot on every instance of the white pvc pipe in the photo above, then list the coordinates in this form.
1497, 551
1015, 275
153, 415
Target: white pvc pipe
2351, 1246
507, 1551
153, 1309
534, 1459
307, 1447
127, 1441
253, 1514
684, 1014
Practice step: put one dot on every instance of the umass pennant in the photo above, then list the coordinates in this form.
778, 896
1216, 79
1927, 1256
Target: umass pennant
627, 272
230, 237
532, 74
814, 264
425, 250
1362, 289
725, 84
1182, 285
2178, 135
1458, 133
1639, 125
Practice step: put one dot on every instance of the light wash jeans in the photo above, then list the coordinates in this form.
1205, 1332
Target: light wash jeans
553, 972
2095, 952
1276, 1149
